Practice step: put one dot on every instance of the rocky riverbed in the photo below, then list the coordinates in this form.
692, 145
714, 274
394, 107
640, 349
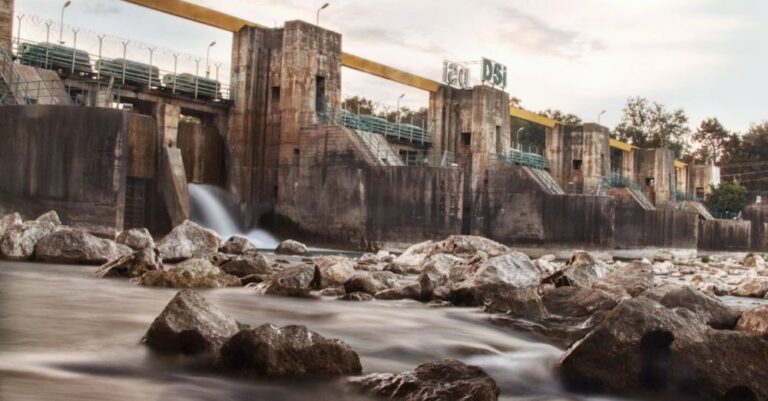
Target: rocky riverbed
640, 328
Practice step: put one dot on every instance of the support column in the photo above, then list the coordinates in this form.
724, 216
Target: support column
6, 24
168, 124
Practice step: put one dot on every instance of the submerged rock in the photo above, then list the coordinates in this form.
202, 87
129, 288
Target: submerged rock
238, 245
444, 380
409, 291
644, 346
357, 297
248, 264
77, 246
268, 350
370, 282
132, 266
189, 325
185, 240
19, 241
291, 247
136, 238
192, 273
293, 281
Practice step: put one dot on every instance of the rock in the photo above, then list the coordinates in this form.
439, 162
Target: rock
136, 238
370, 282
291, 282
755, 287
410, 291
50, 217
513, 270
663, 268
192, 273
248, 264
513, 301
333, 271
444, 380
709, 309
77, 246
584, 270
469, 245
332, 292
8, 221
627, 281
132, 266
663, 256
643, 346
437, 271
413, 257
547, 265
577, 302
269, 350
189, 325
19, 241
217, 258
755, 261
357, 296
185, 240
754, 321
291, 247
238, 245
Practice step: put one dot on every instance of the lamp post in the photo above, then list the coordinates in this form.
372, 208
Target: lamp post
517, 137
397, 119
207, 58
321, 9
600, 115
61, 27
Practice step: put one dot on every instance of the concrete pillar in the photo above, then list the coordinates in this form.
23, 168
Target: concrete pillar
172, 184
6, 24
167, 116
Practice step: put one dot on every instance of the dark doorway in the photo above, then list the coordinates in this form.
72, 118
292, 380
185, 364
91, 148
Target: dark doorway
320, 94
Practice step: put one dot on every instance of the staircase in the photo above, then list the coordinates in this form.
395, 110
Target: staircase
377, 149
641, 199
702, 210
545, 180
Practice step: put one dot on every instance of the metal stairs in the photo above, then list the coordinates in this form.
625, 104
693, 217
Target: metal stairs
545, 180
641, 199
377, 149
12, 85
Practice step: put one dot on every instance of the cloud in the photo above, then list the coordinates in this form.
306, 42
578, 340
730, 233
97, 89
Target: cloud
533, 34
375, 35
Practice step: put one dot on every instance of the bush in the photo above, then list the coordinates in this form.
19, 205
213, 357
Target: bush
728, 198
705, 259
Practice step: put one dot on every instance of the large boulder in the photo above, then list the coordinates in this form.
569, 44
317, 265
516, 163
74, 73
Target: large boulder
192, 273
333, 271
136, 238
248, 264
78, 246
444, 380
469, 245
189, 325
709, 309
406, 291
517, 302
370, 282
185, 240
437, 273
414, 257
50, 217
627, 281
291, 282
268, 350
238, 245
754, 321
133, 265
8, 221
291, 247
577, 302
584, 270
643, 346
19, 241
512, 270
752, 286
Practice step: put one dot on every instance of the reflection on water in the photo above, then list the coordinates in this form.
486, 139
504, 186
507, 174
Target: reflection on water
65, 335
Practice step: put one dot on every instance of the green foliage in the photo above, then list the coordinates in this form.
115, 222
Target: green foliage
651, 125
729, 197
557, 115
705, 259
710, 139
363, 106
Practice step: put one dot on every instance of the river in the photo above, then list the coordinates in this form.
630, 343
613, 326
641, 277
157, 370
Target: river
66, 335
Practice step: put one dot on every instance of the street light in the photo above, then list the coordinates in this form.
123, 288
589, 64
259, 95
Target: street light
61, 30
398, 108
207, 57
600, 115
517, 137
321, 9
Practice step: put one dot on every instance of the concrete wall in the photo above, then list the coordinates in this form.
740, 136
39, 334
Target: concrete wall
580, 156
71, 159
142, 146
203, 153
6, 23
758, 216
636, 227
658, 164
725, 235
702, 178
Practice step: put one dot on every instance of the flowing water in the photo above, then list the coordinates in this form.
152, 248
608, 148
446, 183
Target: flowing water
212, 208
66, 335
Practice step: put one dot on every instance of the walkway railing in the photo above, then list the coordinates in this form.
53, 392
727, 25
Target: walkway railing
12, 84
520, 158
404, 133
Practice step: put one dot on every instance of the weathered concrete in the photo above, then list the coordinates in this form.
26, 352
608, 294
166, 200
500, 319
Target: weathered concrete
636, 227
6, 23
579, 156
203, 152
65, 158
167, 116
758, 216
142, 146
655, 172
173, 185
725, 235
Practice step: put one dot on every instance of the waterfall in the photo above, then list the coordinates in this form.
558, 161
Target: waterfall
212, 208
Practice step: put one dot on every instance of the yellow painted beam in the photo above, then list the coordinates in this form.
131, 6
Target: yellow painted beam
387, 72
621, 145
196, 13
532, 117
680, 164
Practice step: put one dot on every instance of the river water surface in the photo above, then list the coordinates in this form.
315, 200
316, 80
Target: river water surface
66, 335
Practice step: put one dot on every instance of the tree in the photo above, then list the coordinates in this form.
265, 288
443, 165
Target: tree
729, 197
565, 119
711, 139
746, 157
651, 125
360, 105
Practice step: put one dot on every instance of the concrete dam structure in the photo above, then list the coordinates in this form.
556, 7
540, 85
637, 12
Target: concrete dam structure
282, 144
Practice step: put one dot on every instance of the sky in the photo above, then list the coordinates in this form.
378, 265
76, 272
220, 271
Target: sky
708, 57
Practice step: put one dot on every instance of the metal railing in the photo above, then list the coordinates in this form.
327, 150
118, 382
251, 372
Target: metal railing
71, 62
425, 158
404, 133
520, 158
13, 84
